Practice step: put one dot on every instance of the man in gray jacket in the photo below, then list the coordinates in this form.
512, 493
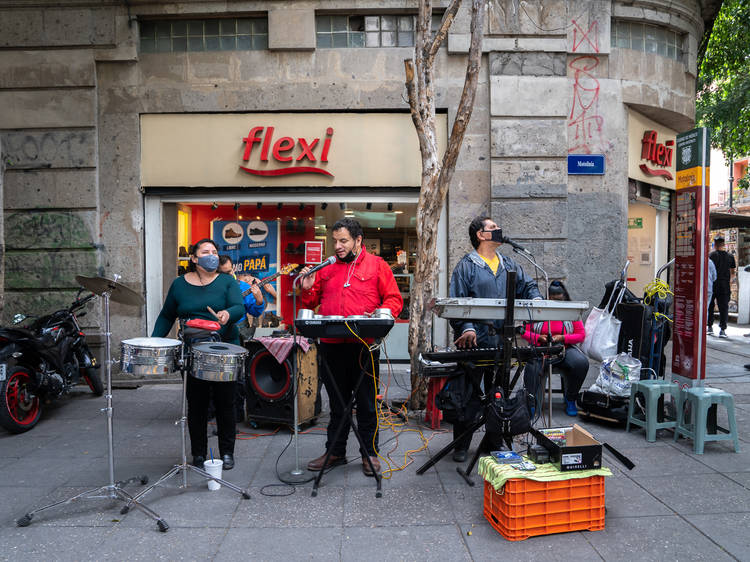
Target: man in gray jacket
482, 274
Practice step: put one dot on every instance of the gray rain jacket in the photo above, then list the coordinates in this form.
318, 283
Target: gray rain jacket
473, 278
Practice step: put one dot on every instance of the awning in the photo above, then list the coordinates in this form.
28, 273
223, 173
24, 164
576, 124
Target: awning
719, 220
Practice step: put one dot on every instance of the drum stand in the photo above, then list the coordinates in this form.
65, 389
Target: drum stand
113, 490
184, 467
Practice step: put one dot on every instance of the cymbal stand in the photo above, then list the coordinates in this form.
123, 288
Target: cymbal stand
184, 467
113, 490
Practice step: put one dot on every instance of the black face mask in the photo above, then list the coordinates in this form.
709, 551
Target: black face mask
497, 235
348, 258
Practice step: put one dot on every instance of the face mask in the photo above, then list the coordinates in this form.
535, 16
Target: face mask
209, 263
348, 258
497, 235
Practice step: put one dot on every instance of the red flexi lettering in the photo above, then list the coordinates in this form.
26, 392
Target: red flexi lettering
266, 143
284, 144
250, 141
307, 150
326, 145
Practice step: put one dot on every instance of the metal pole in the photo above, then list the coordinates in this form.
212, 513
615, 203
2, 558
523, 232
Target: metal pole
731, 181
108, 409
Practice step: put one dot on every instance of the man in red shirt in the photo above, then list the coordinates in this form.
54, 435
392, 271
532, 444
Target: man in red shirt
356, 284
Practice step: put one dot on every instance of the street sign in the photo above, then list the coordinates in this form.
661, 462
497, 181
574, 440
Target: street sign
585, 164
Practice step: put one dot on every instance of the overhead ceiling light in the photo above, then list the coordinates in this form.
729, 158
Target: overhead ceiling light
279, 205
236, 206
342, 206
301, 206
214, 206
368, 206
259, 205
390, 206
323, 206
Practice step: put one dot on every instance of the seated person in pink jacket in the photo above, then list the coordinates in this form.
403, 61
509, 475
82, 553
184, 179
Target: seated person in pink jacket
574, 365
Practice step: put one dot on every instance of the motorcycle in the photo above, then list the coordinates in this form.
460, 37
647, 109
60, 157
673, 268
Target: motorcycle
43, 361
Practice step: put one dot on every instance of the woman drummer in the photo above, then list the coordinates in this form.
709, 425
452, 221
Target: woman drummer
191, 296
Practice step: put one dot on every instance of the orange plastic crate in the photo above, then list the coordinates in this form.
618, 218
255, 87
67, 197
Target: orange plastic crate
528, 508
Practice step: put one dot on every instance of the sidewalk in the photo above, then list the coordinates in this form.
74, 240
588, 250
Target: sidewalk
673, 506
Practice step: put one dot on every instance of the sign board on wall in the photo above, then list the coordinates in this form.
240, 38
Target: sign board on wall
691, 257
651, 151
586, 164
252, 245
282, 149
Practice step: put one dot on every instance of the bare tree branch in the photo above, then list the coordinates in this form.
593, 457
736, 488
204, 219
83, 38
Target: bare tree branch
445, 25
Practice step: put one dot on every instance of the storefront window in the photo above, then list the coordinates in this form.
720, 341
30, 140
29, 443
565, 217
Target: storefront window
228, 34
263, 238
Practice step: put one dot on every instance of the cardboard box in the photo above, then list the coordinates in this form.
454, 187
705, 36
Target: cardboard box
580, 451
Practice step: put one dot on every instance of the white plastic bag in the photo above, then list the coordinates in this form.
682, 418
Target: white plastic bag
603, 330
617, 373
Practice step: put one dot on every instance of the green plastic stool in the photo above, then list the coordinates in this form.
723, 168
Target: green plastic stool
653, 391
701, 400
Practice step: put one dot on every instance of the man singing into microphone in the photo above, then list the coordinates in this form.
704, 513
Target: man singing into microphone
355, 283
482, 274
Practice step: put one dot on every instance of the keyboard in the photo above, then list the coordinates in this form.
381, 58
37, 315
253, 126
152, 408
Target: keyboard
480, 354
327, 327
524, 310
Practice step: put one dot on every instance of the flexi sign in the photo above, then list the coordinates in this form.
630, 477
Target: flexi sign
658, 154
289, 152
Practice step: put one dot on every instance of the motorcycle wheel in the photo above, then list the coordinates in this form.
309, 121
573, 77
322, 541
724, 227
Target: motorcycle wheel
91, 376
20, 409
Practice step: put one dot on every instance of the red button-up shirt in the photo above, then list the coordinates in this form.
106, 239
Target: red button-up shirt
370, 285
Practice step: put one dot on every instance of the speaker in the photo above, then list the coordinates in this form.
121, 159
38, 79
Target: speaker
269, 388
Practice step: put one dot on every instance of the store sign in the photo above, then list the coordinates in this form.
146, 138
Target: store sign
659, 154
287, 152
313, 251
691, 258
635, 222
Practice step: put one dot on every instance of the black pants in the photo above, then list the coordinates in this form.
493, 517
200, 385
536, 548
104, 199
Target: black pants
346, 361
722, 300
472, 411
574, 367
199, 394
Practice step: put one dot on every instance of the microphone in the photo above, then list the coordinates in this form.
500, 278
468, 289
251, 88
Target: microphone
321, 265
515, 245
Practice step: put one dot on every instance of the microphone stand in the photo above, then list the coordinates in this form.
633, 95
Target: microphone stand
530, 258
296, 475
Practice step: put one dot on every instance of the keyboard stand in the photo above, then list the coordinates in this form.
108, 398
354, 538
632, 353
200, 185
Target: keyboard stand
505, 385
348, 413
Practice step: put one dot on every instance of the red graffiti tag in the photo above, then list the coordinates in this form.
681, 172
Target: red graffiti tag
584, 119
586, 36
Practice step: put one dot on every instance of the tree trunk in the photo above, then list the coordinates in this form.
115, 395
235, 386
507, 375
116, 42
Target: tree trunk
436, 173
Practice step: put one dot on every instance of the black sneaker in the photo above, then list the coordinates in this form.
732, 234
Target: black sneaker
198, 461
723, 334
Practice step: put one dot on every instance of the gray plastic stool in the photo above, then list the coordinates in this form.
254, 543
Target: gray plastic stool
653, 391
701, 399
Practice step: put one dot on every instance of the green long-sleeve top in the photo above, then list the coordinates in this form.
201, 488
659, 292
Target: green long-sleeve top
191, 301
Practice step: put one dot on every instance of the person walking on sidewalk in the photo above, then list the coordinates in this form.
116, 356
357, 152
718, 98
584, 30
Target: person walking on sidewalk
725, 267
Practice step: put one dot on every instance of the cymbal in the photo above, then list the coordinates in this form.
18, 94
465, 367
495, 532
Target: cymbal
117, 291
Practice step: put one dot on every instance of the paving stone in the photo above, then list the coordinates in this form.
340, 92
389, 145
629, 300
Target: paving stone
297, 510
429, 543
707, 493
49, 543
653, 538
417, 506
655, 460
275, 544
485, 543
625, 498
729, 530
150, 544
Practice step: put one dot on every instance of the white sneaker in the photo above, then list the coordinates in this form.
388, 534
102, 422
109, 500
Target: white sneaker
723, 334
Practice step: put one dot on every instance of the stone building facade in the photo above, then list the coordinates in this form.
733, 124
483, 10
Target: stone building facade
77, 79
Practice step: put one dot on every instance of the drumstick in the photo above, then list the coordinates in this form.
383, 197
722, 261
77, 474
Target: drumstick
211, 310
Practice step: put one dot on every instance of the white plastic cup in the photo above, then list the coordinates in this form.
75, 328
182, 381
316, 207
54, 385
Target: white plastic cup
213, 467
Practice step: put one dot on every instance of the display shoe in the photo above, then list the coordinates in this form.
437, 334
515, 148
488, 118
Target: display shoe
366, 466
228, 461
317, 464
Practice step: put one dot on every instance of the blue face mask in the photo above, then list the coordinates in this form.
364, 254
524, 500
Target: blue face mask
209, 262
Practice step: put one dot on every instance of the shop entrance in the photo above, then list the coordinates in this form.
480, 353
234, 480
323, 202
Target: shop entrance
263, 233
